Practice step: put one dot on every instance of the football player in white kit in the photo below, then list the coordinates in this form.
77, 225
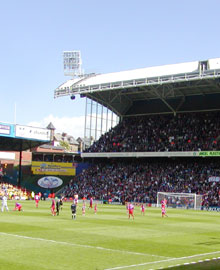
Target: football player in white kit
4, 203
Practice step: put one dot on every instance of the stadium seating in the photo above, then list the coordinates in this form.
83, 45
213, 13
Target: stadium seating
139, 180
159, 133
13, 192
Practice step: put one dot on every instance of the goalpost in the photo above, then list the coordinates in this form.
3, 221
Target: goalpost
180, 200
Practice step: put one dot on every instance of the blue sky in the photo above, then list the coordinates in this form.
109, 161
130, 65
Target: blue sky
111, 35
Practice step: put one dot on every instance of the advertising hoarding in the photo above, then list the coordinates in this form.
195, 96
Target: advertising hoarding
53, 168
50, 182
209, 154
42, 134
6, 130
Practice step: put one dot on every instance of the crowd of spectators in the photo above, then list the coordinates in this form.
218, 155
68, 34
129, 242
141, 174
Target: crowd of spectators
13, 192
139, 180
159, 133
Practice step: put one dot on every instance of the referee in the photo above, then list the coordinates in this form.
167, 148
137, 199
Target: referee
73, 210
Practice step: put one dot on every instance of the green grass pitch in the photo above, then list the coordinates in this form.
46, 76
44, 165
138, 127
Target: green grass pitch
34, 239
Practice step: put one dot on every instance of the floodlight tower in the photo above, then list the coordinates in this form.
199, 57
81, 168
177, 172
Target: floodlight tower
72, 63
96, 115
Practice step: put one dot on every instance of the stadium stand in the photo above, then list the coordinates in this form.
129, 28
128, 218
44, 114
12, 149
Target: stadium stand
139, 180
168, 115
157, 133
14, 192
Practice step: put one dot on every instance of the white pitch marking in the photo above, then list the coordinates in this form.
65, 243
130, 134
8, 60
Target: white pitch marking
168, 260
83, 246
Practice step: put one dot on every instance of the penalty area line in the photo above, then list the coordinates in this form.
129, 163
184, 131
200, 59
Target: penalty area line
79, 245
167, 260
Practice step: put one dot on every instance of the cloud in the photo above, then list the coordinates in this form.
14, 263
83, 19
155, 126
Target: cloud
74, 126
71, 125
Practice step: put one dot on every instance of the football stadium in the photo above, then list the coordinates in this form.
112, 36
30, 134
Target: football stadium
145, 192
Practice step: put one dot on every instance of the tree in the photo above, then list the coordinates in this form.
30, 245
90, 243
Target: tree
65, 145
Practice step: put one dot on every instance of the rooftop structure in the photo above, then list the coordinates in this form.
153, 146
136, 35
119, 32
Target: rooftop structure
190, 86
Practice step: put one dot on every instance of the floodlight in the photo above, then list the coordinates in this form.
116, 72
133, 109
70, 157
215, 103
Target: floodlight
72, 63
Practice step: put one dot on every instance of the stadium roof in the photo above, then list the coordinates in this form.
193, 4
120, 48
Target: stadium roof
191, 86
14, 137
18, 144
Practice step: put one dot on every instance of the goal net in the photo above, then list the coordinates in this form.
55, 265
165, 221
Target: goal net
180, 200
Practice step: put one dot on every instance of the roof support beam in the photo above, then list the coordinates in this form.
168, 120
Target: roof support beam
165, 102
181, 103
